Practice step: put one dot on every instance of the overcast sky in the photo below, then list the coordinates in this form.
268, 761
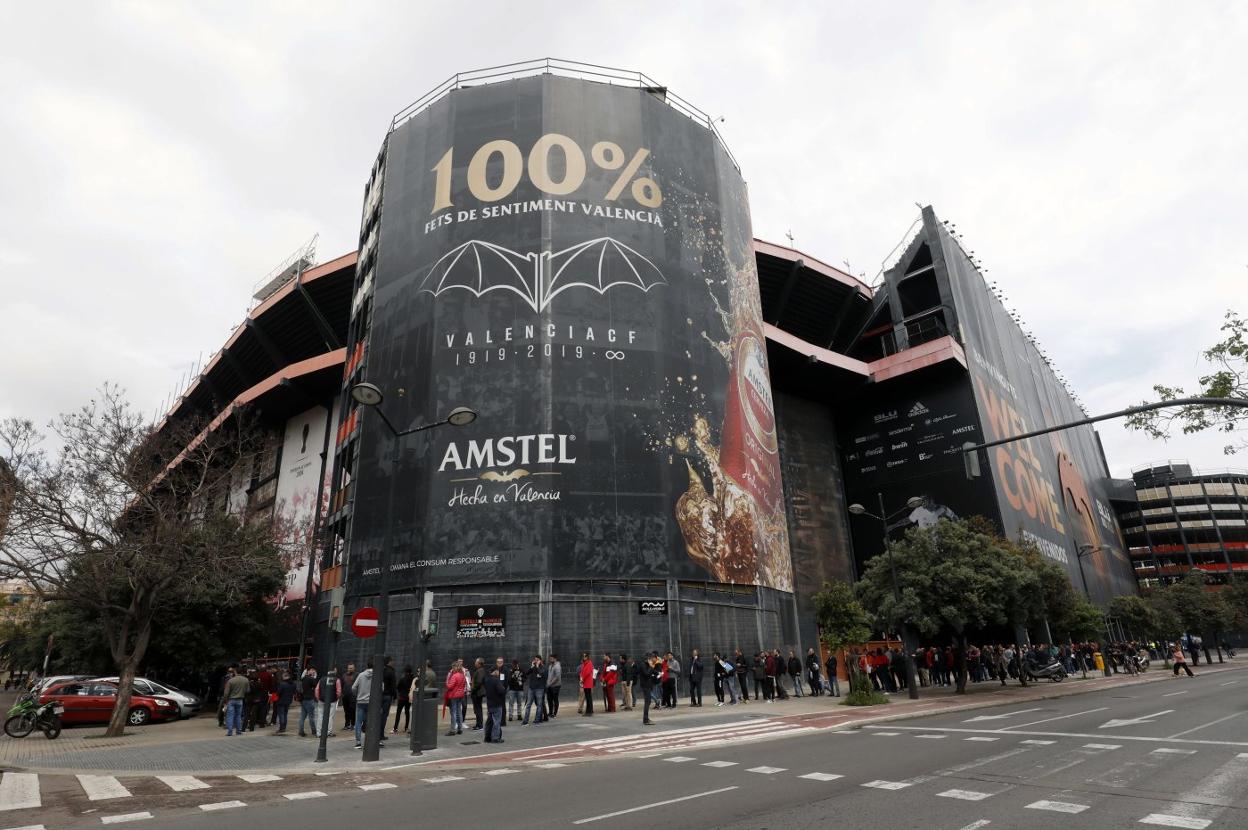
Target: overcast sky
160, 158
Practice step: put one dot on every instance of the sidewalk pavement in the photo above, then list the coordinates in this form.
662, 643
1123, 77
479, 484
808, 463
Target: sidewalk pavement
197, 746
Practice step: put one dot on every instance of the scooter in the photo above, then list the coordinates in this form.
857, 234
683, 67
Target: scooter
1053, 670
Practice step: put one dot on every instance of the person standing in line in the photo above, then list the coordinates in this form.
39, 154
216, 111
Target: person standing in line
760, 678
268, 683
515, 690
363, 688
795, 673
554, 682
403, 701
455, 695
656, 694
236, 687
389, 691
307, 701
695, 678
535, 690
778, 671
744, 672
649, 679
628, 676
718, 677
672, 666
1180, 661
833, 681
814, 677
610, 676
348, 698
495, 700
478, 693
285, 696
587, 674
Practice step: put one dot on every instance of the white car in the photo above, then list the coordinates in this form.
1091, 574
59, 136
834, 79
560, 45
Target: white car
188, 704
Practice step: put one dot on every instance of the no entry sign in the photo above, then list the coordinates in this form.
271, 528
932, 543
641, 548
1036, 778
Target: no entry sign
364, 622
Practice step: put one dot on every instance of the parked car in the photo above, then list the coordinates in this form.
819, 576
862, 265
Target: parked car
188, 703
49, 682
92, 701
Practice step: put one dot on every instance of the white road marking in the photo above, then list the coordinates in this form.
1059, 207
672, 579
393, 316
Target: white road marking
29, 827
1172, 694
1038, 743
679, 759
1057, 806
385, 785
886, 734
820, 776
302, 796
1012, 731
125, 817
1206, 725
1205, 801
766, 770
887, 785
504, 771
983, 738
442, 780
1176, 821
1113, 723
19, 790
402, 766
1102, 746
1059, 717
720, 764
975, 825
1229, 683
1166, 750
965, 795
932, 735
260, 779
552, 765
102, 787
182, 783
999, 717
221, 805
653, 805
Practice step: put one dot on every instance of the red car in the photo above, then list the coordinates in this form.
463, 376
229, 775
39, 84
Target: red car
92, 701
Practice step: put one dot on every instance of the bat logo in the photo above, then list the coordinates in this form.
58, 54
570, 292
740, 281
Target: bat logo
510, 475
600, 264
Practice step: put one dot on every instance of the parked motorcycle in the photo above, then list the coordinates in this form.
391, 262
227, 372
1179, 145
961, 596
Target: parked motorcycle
1052, 669
27, 715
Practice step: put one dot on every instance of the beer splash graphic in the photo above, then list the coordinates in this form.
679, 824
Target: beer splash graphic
731, 515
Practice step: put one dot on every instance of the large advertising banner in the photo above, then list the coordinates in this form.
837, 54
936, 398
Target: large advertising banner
1052, 490
298, 483
573, 261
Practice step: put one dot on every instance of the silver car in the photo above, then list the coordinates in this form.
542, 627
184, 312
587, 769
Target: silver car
188, 704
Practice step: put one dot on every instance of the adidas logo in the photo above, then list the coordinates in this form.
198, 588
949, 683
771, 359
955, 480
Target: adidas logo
917, 410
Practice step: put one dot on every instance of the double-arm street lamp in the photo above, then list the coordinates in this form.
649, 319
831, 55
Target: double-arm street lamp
368, 394
912, 682
1086, 550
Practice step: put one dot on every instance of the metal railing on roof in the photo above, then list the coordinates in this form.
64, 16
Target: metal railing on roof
567, 69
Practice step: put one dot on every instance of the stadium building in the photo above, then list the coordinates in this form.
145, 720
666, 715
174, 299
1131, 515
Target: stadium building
672, 417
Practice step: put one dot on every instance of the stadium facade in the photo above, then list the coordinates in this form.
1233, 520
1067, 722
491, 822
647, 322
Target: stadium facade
673, 415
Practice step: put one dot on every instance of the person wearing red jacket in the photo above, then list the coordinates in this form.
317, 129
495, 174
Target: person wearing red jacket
455, 695
587, 682
610, 676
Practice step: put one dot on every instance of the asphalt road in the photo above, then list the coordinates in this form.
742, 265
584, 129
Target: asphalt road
1172, 753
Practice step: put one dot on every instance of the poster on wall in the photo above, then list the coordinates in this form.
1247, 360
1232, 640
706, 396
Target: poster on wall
477, 622
299, 481
573, 261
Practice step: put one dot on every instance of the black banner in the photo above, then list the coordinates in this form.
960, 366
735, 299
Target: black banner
652, 607
574, 261
475, 622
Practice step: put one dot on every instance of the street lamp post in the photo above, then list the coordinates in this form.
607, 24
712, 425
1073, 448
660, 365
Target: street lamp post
912, 681
1086, 550
368, 394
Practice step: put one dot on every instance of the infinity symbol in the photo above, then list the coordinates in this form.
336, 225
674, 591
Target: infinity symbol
613, 355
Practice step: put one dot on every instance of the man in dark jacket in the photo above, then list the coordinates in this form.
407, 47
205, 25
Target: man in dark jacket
478, 692
695, 679
649, 678
389, 691
795, 673
745, 668
495, 693
628, 676
535, 685
348, 698
813, 674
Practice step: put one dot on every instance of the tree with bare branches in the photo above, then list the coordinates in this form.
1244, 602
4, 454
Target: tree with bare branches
129, 522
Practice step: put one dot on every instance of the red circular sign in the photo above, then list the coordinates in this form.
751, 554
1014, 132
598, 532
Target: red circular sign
364, 622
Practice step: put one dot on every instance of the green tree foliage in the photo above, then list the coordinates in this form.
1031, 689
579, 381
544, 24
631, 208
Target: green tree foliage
1082, 621
1227, 378
843, 621
955, 576
119, 523
1138, 616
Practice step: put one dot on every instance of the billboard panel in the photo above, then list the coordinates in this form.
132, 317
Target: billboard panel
573, 261
298, 483
1052, 490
